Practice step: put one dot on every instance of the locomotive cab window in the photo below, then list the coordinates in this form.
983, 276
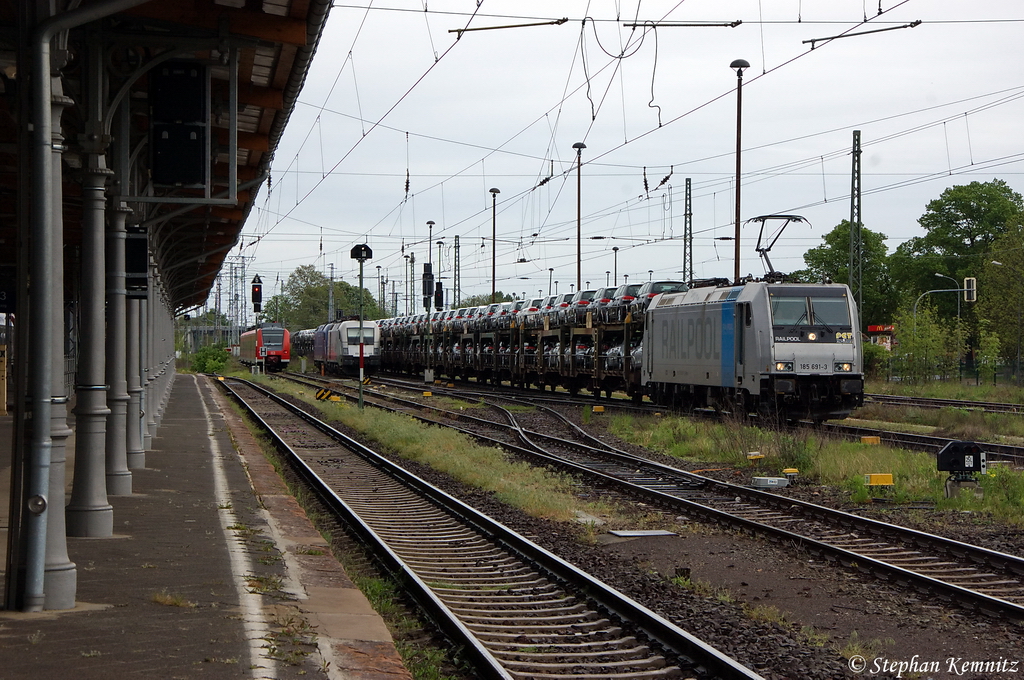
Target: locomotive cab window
273, 337
789, 311
830, 311
353, 335
812, 311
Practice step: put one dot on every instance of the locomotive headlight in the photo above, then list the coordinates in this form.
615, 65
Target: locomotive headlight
812, 336
843, 367
783, 365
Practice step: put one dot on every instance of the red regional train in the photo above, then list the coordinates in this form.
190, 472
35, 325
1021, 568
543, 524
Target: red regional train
269, 343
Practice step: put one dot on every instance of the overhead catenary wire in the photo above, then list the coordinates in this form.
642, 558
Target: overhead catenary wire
545, 160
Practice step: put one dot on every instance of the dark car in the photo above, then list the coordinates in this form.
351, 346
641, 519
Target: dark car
576, 310
602, 296
652, 288
558, 305
621, 300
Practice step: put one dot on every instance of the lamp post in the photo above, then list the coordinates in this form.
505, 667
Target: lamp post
407, 279
606, 274
494, 241
615, 266
625, 279
556, 287
430, 237
551, 272
955, 283
380, 288
738, 65
579, 146
650, 274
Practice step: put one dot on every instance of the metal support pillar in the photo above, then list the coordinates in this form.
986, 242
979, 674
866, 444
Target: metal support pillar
144, 372
135, 453
856, 244
688, 235
152, 359
119, 478
89, 513
60, 579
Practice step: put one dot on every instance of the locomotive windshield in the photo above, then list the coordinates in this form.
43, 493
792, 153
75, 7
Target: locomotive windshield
810, 311
353, 335
273, 337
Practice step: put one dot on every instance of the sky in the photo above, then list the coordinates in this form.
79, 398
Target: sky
405, 120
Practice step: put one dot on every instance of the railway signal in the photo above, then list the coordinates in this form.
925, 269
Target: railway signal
361, 253
257, 294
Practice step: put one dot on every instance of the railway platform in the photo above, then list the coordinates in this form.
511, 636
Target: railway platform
213, 571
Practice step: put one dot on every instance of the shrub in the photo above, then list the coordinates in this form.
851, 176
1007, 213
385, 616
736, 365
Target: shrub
210, 359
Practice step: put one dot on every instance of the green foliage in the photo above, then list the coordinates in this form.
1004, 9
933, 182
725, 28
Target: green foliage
1001, 289
876, 360
210, 359
962, 226
926, 347
987, 355
304, 300
485, 299
832, 261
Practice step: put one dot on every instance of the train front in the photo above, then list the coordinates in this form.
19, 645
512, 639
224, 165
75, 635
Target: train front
275, 346
815, 371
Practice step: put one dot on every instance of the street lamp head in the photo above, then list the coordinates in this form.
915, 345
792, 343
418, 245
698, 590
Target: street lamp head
495, 191
430, 223
579, 146
739, 65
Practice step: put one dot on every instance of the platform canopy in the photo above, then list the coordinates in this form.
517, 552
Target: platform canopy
267, 45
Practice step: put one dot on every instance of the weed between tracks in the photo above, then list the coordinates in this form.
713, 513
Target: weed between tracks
826, 461
537, 491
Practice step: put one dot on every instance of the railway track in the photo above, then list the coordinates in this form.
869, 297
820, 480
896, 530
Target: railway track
974, 577
517, 610
927, 402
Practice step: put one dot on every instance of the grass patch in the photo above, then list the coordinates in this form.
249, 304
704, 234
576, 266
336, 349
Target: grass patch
827, 461
766, 614
955, 423
171, 600
537, 491
703, 589
263, 585
855, 646
947, 389
452, 404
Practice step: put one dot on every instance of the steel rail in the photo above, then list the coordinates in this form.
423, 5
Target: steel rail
965, 596
704, 658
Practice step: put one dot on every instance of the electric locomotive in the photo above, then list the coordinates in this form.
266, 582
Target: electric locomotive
335, 347
780, 349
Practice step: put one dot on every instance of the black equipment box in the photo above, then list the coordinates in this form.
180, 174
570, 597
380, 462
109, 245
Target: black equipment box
962, 457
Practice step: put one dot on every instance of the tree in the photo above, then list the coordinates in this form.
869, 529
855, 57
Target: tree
485, 299
925, 346
1001, 291
304, 300
832, 261
961, 225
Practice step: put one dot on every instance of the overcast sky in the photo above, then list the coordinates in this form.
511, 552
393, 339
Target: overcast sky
401, 122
